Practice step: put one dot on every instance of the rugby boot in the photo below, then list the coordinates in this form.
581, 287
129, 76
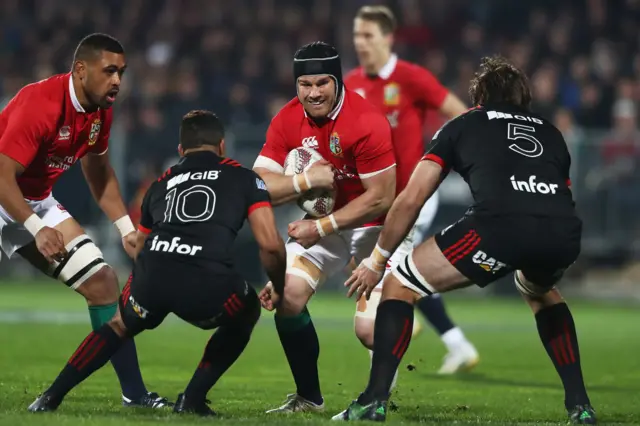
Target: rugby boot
45, 402
582, 415
463, 358
148, 400
189, 406
376, 411
297, 404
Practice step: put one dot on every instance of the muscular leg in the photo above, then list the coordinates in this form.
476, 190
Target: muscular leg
92, 354
298, 336
557, 332
100, 291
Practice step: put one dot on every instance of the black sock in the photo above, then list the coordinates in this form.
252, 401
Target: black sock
558, 334
301, 346
223, 349
432, 307
394, 324
91, 355
125, 363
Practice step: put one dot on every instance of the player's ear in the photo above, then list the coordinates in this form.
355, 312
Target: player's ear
80, 69
180, 150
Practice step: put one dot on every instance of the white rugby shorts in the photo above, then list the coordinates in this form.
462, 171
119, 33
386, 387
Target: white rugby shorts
13, 235
333, 252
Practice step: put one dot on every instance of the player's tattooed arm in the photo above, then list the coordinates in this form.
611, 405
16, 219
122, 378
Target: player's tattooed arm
405, 209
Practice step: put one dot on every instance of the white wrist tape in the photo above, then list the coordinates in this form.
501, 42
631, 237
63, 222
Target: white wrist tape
301, 182
327, 225
124, 225
379, 257
34, 224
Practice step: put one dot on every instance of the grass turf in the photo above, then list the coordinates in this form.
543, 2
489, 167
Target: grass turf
41, 325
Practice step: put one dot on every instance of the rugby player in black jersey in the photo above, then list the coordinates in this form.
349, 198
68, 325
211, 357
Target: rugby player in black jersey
190, 218
522, 221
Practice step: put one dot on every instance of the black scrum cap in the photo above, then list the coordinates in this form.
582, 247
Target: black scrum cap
318, 58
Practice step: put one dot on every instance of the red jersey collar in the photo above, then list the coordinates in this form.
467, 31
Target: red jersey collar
74, 97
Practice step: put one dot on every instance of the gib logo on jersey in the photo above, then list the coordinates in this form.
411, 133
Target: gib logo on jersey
95, 131
183, 177
532, 186
487, 263
503, 115
174, 247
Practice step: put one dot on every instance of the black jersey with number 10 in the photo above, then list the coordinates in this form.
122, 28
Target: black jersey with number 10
514, 161
196, 208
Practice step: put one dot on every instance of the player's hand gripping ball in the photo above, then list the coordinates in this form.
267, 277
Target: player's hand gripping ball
320, 199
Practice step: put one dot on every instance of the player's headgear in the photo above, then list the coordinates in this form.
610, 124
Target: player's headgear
318, 58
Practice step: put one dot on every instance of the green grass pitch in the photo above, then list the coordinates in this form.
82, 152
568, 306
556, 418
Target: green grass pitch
41, 325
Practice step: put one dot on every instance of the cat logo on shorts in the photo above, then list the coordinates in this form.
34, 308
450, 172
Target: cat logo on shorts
139, 310
487, 263
392, 94
95, 131
334, 144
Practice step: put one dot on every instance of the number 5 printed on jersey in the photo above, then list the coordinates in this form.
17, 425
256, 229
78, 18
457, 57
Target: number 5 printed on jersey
179, 201
519, 132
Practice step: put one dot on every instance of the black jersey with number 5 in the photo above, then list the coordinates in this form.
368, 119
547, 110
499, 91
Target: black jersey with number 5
514, 161
196, 208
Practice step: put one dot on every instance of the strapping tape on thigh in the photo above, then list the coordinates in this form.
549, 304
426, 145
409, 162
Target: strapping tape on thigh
82, 261
529, 288
368, 308
307, 270
408, 274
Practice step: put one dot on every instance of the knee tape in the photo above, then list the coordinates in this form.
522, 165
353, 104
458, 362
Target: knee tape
409, 276
367, 309
307, 270
529, 288
84, 259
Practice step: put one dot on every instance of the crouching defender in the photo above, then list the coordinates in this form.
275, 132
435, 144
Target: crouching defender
183, 265
523, 220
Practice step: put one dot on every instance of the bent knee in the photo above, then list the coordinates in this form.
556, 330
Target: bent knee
297, 293
364, 328
101, 288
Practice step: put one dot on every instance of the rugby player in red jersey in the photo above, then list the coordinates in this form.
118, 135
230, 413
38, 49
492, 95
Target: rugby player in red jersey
355, 140
46, 128
404, 92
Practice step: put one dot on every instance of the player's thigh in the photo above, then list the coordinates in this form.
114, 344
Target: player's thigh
140, 306
307, 269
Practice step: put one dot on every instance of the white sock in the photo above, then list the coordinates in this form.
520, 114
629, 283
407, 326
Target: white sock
394, 382
453, 339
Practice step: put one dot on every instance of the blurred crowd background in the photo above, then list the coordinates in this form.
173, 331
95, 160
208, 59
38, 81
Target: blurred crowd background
234, 57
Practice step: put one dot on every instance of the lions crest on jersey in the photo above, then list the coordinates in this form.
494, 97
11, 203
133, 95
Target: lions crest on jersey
95, 131
392, 94
334, 144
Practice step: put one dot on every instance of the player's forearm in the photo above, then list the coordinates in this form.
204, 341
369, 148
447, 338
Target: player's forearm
281, 188
366, 208
400, 219
106, 192
12, 199
275, 264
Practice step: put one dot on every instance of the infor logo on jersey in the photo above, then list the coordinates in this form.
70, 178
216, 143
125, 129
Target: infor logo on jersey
334, 144
95, 131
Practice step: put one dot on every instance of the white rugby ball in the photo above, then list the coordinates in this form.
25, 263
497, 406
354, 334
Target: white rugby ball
315, 202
